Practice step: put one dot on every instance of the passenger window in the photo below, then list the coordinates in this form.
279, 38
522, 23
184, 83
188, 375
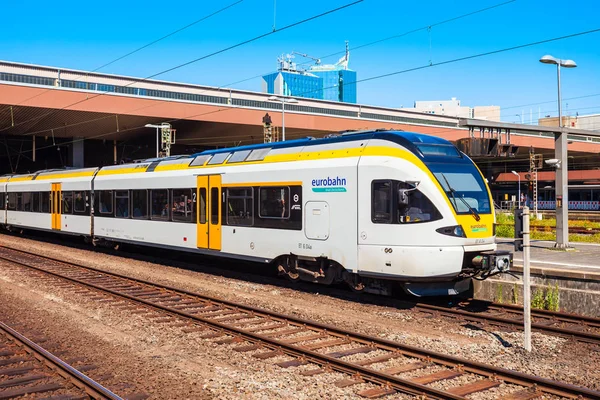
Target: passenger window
183, 205
202, 205
418, 209
122, 203
80, 202
240, 203
274, 202
67, 202
27, 201
12, 201
2, 201
35, 202
160, 204
381, 202
105, 202
45, 200
139, 203
19, 201
214, 206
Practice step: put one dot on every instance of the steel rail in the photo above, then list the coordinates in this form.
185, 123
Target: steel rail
518, 378
587, 337
91, 387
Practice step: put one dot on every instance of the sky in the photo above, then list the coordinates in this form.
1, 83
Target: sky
87, 35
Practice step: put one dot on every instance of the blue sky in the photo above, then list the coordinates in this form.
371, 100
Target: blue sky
80, 35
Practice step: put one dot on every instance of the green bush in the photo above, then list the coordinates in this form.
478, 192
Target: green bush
552, 298
538, 300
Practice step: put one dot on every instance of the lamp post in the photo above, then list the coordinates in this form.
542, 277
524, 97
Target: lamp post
562, 170
518, 176
282, 100
164, 125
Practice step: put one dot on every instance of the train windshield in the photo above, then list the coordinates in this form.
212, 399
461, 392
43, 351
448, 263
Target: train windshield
464, 187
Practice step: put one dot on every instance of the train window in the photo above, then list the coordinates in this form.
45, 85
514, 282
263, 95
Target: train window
2, 201
381, 202
67, 202
19, 201
202, 205
214, 206
240, 203
122, 203
184, 205
27, 201
45, 201
80, 202
238, 156
274, 202
139, 203
218, 158
12, 201
35, 202
160, 203
418, 209
105, 202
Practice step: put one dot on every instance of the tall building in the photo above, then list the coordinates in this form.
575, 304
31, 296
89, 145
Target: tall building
453, 108
333, 82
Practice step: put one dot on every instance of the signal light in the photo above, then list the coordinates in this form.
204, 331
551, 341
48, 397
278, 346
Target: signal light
519, 229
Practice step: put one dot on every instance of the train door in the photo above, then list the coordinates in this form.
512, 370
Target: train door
209, 212
55, 199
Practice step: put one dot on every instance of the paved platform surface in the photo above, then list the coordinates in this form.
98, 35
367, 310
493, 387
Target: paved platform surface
585, 258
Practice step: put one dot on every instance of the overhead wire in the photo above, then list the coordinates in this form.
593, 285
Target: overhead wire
417, 68
146, 45
357, 47
253, 39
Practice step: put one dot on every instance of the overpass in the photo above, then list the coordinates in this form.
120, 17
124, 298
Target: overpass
103, 116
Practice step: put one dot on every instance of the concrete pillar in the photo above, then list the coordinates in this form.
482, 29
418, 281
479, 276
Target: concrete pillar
77, 152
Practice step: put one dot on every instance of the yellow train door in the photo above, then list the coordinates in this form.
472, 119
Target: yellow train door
209, 212
55, 206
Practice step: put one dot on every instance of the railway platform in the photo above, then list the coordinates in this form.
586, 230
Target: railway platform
576, 274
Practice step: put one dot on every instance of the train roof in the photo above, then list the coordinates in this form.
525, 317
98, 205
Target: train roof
430, 149
407, 139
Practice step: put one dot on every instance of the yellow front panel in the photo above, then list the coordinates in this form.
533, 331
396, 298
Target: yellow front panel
202, 204
484, 228
214, 213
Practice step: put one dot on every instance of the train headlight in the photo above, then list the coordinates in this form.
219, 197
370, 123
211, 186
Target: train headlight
456, 231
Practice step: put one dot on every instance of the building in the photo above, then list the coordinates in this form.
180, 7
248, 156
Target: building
333, 82
453, 108
588, 122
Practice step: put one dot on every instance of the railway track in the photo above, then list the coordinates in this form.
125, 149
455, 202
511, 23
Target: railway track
316, 348
26, 369
550, 229
576, 327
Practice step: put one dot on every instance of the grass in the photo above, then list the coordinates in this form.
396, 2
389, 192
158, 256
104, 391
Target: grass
548, 234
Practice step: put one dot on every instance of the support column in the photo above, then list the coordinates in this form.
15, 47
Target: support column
562, 192
77, 152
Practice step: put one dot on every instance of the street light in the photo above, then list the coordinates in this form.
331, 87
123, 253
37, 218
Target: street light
163, 125
560, 152
518, 176
282, 100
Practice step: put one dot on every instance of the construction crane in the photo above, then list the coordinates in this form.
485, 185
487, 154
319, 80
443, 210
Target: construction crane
317, 60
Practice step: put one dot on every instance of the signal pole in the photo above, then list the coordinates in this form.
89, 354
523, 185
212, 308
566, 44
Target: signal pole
526, 282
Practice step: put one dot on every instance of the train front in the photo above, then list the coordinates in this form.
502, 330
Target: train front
468, 197
437, 215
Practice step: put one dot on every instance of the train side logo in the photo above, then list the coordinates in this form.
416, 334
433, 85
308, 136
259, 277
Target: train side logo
329, 184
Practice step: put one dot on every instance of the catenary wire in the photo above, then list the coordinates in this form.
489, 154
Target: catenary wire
146, 45
138, 80
396, 72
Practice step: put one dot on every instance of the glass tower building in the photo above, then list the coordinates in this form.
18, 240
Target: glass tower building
334, 82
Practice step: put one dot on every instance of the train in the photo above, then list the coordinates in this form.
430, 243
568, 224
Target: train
377, 209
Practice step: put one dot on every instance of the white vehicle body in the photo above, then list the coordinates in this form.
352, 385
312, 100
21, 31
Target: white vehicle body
367, 208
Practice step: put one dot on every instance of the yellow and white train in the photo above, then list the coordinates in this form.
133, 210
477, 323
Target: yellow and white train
374, 209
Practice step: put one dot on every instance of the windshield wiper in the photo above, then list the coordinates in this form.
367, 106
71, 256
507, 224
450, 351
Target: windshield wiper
452, 191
